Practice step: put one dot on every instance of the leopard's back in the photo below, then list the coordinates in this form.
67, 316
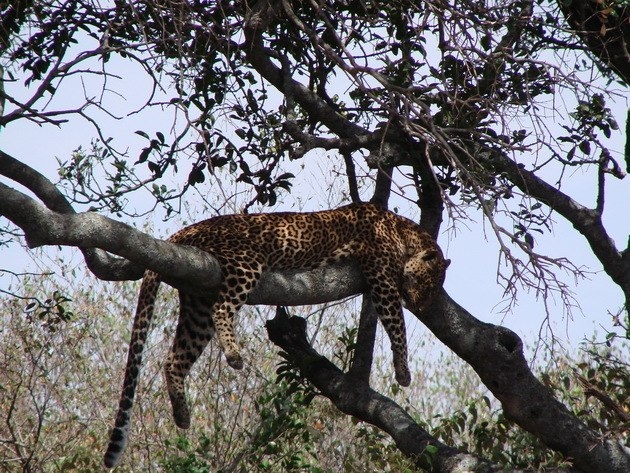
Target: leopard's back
285, 240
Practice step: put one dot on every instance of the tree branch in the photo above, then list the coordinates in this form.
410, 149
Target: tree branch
186, 267
497, 59
382, 185
588, 222
364, 347
353, 396
259, 58
43, 226
351, 173
496, 354
102, 264
591, 390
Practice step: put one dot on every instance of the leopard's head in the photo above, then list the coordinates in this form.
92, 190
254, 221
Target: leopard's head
423, 277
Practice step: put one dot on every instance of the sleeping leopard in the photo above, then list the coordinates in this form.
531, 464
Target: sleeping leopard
399, 262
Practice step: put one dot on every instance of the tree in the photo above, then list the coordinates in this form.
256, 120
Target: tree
444, 105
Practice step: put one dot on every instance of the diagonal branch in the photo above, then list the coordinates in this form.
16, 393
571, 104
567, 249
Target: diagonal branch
352, 395
35, 182
587, 221
259, 58
496, 354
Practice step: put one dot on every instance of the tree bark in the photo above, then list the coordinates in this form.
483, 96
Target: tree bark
496, 354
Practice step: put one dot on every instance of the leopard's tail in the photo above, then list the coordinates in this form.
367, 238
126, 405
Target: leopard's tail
142, 323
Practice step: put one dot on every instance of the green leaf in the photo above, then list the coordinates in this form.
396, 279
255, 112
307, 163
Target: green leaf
144, 155
529, 239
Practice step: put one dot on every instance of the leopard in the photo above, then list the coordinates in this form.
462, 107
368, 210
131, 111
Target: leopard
400, 263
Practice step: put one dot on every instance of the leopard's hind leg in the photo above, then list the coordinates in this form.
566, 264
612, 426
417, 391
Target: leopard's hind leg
194, 330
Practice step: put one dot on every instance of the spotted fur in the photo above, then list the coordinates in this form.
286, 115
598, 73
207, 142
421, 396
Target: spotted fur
398, 260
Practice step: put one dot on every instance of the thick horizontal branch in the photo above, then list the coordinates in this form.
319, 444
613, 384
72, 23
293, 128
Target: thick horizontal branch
185, 267
318, 286
103, 265
43, 226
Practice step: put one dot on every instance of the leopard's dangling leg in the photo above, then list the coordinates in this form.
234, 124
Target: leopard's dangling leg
194, 330
241, 274
387, 304
223, 318
394, 325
